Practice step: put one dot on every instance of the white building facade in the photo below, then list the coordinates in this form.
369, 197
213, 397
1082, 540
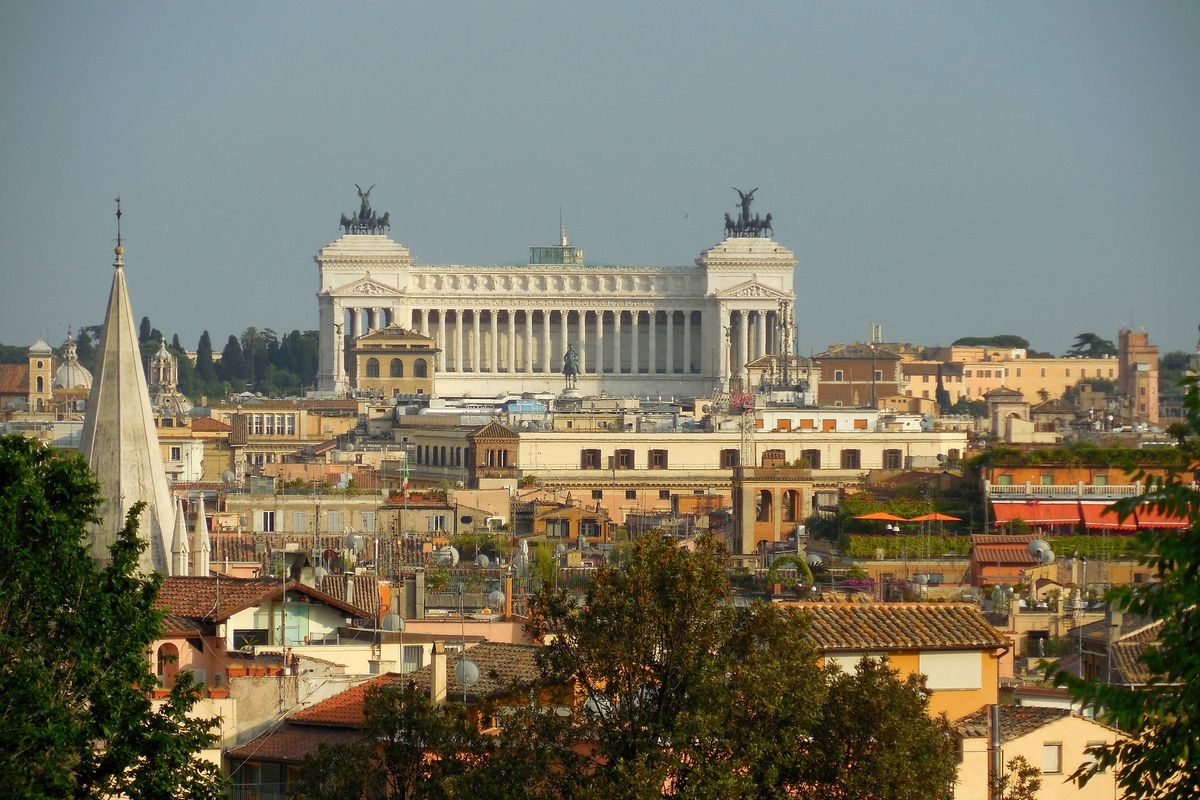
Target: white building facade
637, 330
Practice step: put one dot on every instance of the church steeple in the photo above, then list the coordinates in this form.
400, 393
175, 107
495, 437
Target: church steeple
119, 439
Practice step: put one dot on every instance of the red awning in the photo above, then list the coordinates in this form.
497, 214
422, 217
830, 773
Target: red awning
1036, 512
1102, 516
1148, 517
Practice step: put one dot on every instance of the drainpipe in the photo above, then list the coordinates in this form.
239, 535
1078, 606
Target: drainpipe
437, 674
995, 756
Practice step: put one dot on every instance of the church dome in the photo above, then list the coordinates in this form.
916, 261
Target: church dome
71, 374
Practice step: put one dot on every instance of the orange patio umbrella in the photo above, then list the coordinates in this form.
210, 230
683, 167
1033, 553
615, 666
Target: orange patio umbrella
881, 516
935, 517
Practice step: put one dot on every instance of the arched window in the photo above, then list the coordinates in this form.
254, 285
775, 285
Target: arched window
397, 370
420, 368
372, 367
41, 383
791, 505
168, 665
763, 508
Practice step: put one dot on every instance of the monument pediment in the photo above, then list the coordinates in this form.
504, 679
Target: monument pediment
366, 287
751, 290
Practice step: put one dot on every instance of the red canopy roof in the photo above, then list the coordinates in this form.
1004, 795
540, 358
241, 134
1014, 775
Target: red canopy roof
1036, 512
1102, 516
1148, 517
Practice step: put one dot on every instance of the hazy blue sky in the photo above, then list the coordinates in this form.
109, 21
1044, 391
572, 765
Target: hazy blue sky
945, 169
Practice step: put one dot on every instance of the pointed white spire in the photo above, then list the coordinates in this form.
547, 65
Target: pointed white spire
179, 543
119, 440
200, 543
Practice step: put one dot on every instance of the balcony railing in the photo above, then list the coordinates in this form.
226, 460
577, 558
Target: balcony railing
1063, 490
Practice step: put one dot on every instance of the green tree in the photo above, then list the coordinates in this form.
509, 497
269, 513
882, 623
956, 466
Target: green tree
205, 371
76, 718
686, 692
1003, 340
1021, 781
232, 368
1091, 345
85, 345
410, 750
1161, 756
144, 330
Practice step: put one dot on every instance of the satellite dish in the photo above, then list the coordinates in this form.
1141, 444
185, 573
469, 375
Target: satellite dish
921, 579
814, 560
353, 541
447, 556
560, 550
393, 622
320, 572
466, 673
228, 476
496, 599
1040, 549
349, 447
482, 561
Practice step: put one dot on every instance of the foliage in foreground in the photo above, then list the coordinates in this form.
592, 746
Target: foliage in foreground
75, 714
1161, 757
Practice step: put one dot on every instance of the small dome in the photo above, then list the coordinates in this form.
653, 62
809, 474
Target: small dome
40, 348
72, 374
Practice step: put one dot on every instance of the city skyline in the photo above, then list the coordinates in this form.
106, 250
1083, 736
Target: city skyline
942, 171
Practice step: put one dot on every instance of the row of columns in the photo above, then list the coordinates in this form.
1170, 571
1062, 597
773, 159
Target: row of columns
365, 319
535, 341
751, 334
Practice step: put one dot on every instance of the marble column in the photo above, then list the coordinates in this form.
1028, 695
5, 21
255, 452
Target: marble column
528, 341
761, 325
671, 343
562, 333
545, 342
494, 356
652, 354
581, 327
423, 316
600, 342
634, 325
511, 366
687, 342
617, 341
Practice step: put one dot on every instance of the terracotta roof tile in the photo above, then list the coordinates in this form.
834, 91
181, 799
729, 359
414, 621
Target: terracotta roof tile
1015, 721
291, 743
364, 590
211, 598
210, 425
900, 626
502, 668
14, 378
237, 547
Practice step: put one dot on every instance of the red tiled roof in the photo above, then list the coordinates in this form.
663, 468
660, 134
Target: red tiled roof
210, 425
237, 547
502, 668
1015, 721
1002, 554
1036, 512
364, 590
216, 599
291, 743
900, 626
14, 379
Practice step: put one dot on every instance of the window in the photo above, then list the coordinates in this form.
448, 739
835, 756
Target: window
1018, 372
664, 494
807, 424
623, 459
589, 459
813, 457
597, 494
413, 658
851, 459
249, 637
334, 522
1051, 758
268, 521
397, 368
437, 522
291, 424
952, 670
1004, 480
299, 521
372, 367
368, 521
420, 368
1068, 373
269, 428
829, 425
631, 494
784, 425
658, 459
893, 459
837, 374
729, 458
877, 375
860, 424
1043, 372
176, 454
1047, 478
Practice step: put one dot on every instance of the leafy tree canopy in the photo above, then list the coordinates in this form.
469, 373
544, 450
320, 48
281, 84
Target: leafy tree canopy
75, 714
1161, 757
1003, 340
1091, 345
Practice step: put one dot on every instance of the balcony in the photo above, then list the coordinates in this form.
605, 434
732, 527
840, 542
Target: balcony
1063, 491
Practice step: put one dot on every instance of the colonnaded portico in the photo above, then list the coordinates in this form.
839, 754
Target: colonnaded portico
680, 331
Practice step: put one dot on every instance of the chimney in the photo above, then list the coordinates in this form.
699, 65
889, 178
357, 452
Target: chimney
1115, 618
437, 674
508, 598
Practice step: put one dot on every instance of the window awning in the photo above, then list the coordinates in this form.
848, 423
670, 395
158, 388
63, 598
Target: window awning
1148, 517
1102, 516
1036, 512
